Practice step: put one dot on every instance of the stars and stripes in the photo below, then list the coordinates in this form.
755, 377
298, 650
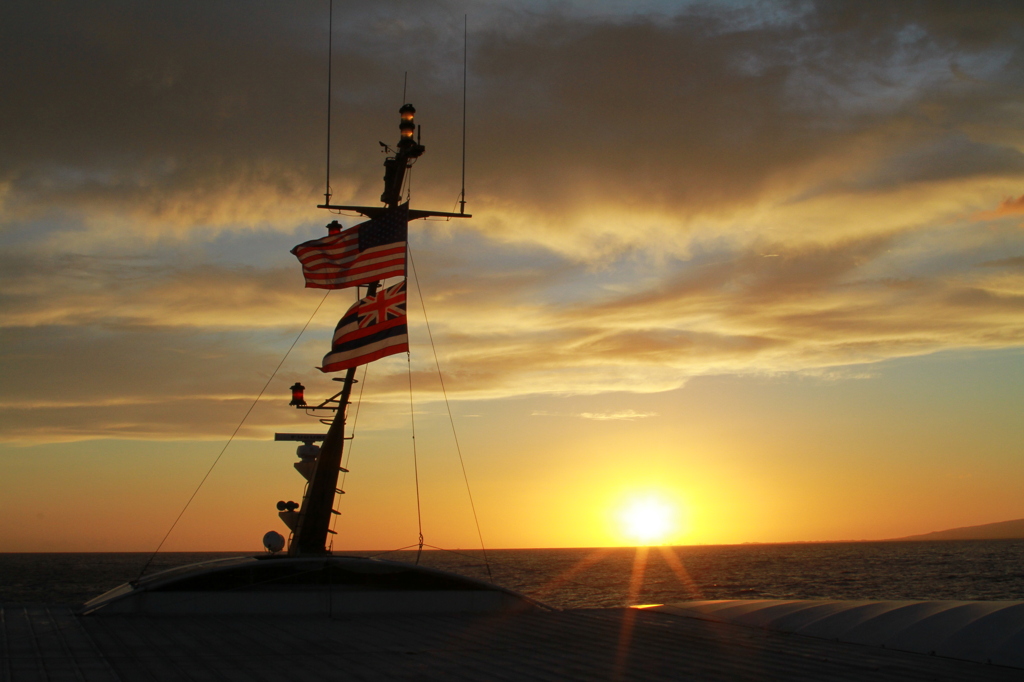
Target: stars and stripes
364, 253
375, 327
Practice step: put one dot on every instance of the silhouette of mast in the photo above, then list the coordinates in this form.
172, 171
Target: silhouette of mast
312, 525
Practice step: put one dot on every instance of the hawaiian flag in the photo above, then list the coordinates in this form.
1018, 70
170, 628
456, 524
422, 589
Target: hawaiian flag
373, 328
364, 253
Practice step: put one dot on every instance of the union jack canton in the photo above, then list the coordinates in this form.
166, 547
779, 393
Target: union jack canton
375, 327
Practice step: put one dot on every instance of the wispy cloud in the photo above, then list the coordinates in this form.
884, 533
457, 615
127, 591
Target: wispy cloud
624, 415
620, 415
1011, 262
1006, 207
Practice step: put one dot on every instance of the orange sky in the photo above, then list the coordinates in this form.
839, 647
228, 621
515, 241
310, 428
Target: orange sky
762, 266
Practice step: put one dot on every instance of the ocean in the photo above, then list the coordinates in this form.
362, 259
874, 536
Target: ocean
602, 578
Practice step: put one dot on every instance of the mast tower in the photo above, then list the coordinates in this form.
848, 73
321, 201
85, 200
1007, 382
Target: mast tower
310, 524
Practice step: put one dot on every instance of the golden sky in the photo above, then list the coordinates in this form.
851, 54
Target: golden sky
762, 263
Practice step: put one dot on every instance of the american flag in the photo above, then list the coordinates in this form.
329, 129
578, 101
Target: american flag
364, 253
373, 328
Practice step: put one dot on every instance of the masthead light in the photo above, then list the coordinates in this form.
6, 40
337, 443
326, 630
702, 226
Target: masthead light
406, 126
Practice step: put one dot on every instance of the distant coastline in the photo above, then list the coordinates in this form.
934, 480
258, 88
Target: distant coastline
1003, 530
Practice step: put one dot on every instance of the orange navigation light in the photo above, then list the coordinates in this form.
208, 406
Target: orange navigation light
298, 401
407, 126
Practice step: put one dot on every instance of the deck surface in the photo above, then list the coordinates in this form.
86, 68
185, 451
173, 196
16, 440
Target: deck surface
48, 643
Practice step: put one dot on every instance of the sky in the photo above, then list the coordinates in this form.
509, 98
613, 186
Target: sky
757, 264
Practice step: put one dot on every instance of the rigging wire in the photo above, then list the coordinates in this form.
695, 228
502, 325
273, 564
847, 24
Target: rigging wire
451, 419
233, 434
512, 567
415, 460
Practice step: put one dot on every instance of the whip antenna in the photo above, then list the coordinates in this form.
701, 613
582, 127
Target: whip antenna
330, 37
462, 195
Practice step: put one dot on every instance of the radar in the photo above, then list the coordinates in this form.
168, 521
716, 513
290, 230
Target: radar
273, 541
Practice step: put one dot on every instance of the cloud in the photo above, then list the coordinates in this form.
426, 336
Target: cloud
622, 415
187, 116
148, 355
952, 158
718, 188
114, 292
1006, 207
1011, 262
64, 383
626, 415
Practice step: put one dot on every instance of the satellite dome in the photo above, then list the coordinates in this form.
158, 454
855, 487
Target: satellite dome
273, 541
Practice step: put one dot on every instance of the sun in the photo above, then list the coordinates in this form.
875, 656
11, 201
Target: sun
647, 520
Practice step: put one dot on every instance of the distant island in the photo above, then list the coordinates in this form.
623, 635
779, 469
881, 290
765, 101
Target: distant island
1004, 530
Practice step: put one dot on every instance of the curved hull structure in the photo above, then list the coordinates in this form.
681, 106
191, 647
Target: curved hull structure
320, 586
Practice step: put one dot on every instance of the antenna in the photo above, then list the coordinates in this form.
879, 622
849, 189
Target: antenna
330, 37
462, 195
397, 166
405, 86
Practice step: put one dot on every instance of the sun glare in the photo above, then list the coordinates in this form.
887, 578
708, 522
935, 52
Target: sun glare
647, 520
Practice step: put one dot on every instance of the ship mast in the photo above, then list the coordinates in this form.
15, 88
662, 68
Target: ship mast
311, 526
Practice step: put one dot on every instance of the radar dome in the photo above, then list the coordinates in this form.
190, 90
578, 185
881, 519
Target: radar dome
273, 541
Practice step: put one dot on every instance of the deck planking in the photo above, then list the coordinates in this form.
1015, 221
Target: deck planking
54, 644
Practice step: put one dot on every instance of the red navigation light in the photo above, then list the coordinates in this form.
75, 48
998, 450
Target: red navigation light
297, 399
407, 112
333, 228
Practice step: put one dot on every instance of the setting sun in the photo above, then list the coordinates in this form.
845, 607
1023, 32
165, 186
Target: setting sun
648, 520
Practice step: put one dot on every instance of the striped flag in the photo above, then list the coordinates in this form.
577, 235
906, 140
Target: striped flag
373, 328
364, 253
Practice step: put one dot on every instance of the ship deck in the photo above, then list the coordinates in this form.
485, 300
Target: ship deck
54, 643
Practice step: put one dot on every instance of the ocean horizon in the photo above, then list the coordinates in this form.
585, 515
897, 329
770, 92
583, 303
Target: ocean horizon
990, 570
